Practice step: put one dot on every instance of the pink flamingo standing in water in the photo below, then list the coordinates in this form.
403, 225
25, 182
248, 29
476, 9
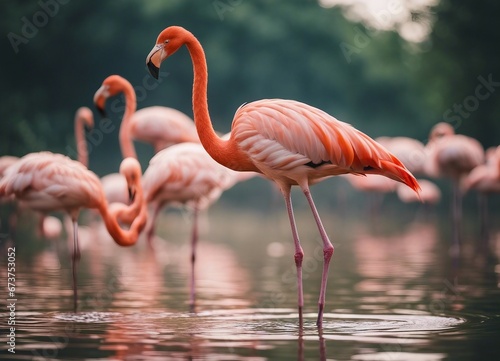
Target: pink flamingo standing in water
157, 125
289, 142
185, 174
485, 179
452, 156
179, 174
51, 227
48, 182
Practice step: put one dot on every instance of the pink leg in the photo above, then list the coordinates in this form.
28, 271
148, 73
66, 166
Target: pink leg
194, 241
327, 254
150, 231
40, 230
75, 257
299, 253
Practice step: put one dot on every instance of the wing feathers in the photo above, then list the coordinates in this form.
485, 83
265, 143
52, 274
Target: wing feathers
279, 135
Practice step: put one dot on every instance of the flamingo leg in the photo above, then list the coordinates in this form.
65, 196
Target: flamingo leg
327, 254
75, 257
150, 231
483, 209
457, 216
299, 253
194, 241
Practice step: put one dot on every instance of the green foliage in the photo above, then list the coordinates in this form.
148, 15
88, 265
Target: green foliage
255, 49
464, 47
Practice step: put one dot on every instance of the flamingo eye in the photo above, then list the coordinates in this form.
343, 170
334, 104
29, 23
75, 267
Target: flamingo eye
166, 41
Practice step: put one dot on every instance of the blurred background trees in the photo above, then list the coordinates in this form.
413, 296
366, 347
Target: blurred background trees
300, 49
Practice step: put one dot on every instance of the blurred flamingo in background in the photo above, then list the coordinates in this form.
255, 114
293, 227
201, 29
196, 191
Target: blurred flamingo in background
429, 194
289, 142
162, 127
51, 228
377, 186
409, 151
84, 119
452, 156
157, 125
48, 182
184, 174
114, 185
485, 179
5, 162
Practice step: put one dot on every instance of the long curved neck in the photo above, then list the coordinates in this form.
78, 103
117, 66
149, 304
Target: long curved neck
81, 142
126, 144
136, 215
214, 145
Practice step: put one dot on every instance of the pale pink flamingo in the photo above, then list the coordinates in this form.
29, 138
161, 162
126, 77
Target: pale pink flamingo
162, 127
409, 151
485, 179
49, 182
159, 126
452, 156
5, 162
114, 185
429, 194
376, 185
184, 174
83, 119
51, 227
289, 142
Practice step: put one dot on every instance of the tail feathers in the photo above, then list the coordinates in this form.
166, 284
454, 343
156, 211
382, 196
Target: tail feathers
398, 173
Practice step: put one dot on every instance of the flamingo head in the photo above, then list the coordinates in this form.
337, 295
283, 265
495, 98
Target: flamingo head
131, 170
441, 130
168, 42
86, 115
111, 86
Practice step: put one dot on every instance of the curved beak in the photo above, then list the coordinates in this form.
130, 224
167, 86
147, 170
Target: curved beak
100, 99
131, 194
154, 59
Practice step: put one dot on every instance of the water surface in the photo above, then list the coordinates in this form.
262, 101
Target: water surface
394, 293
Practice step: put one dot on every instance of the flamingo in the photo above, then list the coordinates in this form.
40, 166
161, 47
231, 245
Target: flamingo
452, 156
47, 182
115, 187
289, 142
83, 119
485, 179
377, 185
162, 127
185, 174
408, 150
5, 162
51, 227
430, 193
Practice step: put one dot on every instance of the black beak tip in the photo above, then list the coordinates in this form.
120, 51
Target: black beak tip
153, 70
131, 195
101, 111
